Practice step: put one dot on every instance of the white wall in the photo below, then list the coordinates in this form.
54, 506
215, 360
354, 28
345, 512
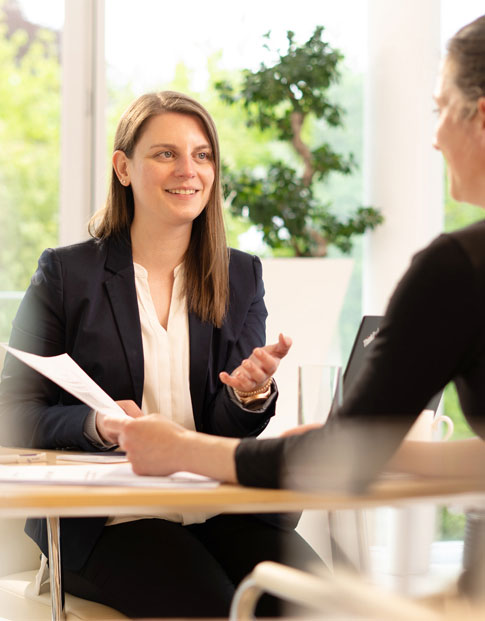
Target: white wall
403, 173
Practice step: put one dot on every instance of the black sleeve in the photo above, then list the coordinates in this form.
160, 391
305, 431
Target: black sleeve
425, 339
32, 412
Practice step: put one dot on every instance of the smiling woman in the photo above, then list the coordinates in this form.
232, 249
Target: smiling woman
157, 310
166, 142
171, 173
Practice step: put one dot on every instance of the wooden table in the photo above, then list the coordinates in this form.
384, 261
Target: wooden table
55, 501
74, 500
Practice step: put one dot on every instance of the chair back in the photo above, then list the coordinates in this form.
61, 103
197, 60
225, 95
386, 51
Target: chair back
18, 551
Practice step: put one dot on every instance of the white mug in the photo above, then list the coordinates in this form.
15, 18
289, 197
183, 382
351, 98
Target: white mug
427, 424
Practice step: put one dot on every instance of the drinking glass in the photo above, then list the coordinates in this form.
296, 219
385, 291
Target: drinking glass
319, 392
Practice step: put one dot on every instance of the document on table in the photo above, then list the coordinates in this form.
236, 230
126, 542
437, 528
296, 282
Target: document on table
100, 474
68, 375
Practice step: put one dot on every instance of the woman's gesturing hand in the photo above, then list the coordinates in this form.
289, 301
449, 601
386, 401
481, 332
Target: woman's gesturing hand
254, 371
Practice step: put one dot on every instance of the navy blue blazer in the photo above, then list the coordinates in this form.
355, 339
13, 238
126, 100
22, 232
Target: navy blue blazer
82, 300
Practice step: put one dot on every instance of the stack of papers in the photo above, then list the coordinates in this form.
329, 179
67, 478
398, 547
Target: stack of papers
100, 474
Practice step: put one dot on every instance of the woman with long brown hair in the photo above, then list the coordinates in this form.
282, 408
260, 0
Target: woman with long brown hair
158, 311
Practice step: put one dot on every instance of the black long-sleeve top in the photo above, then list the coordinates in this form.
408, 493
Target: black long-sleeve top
433, 332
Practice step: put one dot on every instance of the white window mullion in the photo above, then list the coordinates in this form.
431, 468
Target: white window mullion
83, 185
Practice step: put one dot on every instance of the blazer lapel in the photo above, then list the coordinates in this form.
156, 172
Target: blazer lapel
121, 290
200, 336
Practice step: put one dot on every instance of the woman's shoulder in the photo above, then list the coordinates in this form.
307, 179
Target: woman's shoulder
471, 240
464, 247
245, 270
240, 257
81, 253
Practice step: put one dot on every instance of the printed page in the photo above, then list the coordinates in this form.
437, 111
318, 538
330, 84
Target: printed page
68, 375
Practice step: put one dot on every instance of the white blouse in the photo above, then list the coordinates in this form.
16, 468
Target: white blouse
166, 388
166, 352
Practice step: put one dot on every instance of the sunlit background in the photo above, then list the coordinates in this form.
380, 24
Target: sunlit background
186, 46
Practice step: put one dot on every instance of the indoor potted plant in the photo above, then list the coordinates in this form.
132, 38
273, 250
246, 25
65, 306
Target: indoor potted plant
280, 199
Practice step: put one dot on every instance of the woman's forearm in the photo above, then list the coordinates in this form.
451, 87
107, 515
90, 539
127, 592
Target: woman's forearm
158, 446
211, 456
448, 459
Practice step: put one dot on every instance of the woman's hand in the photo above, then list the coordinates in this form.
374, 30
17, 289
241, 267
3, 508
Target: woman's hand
259, 367
153, 444
109, 427
156, 445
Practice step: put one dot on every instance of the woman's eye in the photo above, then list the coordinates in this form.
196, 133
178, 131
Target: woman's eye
166, 155
203, 155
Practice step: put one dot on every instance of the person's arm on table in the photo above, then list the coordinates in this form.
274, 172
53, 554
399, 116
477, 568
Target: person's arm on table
157, 446
458, 458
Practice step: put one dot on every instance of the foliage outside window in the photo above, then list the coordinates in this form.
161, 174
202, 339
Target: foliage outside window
29, 158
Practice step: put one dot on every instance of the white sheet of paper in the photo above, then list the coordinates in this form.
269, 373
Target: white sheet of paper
68, 375
99, 474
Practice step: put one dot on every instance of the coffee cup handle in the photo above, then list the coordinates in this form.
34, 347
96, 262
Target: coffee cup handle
442, 418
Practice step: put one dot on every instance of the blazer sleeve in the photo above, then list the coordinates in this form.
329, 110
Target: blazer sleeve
35, 412
223, 414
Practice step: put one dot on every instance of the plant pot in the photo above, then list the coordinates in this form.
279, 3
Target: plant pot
304, 297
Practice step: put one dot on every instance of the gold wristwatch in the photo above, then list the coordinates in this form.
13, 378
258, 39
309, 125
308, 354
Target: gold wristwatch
256, 397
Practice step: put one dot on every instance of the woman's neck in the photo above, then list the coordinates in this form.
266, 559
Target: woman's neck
159, 249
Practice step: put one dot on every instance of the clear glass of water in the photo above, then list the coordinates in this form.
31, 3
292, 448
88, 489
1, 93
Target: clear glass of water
319, 392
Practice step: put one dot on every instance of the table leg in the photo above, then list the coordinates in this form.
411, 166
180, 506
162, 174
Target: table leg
57, 594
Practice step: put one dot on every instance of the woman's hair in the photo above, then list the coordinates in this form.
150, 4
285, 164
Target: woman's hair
206, 259
466, 51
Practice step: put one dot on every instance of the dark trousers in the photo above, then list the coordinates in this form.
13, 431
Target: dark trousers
156, 568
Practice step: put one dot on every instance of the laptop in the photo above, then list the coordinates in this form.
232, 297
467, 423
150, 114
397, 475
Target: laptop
353, 452
368, 329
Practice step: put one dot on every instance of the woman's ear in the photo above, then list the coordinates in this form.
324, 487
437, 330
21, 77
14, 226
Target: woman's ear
481, 111
120, 165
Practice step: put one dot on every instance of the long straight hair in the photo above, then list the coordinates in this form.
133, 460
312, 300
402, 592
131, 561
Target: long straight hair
206, 258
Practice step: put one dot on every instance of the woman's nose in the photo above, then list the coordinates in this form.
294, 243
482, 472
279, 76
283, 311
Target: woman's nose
435, 141
185, 167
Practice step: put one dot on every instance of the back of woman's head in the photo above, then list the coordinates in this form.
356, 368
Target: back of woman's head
466, 51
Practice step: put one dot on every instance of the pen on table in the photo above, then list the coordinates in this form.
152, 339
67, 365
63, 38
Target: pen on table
26, 458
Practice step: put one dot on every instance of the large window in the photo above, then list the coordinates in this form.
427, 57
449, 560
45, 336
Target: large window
188, 46
30, 153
